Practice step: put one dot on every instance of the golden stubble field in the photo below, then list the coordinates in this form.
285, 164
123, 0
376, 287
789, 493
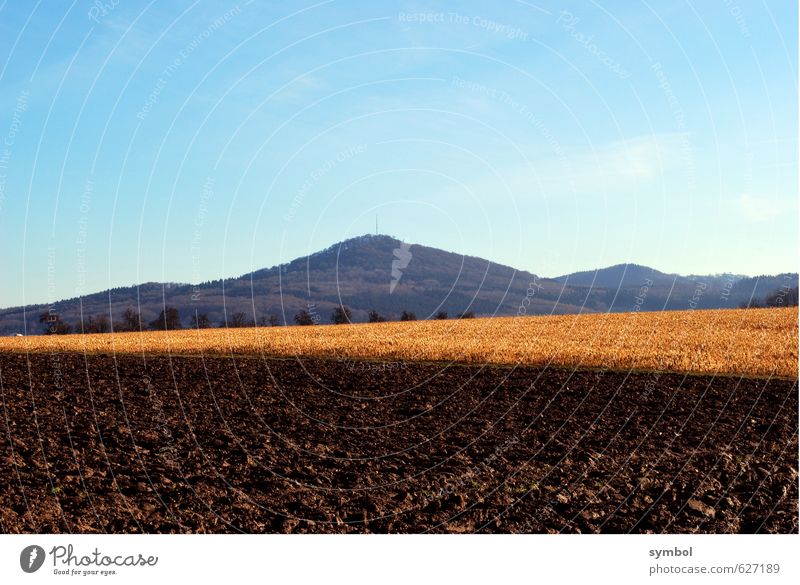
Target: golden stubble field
754, 342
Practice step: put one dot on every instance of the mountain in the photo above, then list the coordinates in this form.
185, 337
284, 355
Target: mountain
650, 289
621, 275
384, 274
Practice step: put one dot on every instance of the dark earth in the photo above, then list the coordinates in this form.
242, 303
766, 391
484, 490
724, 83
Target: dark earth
248, 444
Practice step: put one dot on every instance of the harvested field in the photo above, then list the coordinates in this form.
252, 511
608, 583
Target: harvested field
225, 444
751, 342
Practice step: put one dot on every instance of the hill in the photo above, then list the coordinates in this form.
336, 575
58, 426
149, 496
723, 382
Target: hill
621, 275
382, 273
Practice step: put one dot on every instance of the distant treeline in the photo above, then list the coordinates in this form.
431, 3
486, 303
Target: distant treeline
170, 319
783, 297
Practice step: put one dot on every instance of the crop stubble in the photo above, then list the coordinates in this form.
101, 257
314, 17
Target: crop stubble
745, 342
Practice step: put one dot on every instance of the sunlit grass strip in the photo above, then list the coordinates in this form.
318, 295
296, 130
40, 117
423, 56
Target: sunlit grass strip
758, 342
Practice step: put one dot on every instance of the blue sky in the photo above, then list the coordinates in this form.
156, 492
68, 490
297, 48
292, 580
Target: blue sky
187, 141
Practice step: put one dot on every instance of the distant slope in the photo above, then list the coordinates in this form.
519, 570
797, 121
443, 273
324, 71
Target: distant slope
384, 274
621, 276
357, 272
633, 285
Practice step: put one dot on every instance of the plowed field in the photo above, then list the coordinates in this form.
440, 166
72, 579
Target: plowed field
221, 444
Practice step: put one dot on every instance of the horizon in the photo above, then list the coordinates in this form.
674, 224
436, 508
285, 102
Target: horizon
189, 143
169, 283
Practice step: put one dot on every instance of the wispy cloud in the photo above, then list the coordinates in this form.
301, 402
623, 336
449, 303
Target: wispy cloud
757, 209
618, 167
643, 157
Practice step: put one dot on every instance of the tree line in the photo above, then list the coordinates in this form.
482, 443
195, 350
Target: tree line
783, 297
170, 319
342, 315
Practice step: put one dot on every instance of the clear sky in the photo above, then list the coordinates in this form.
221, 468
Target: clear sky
187, 141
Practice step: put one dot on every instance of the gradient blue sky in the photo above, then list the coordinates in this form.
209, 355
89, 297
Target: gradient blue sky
148, 142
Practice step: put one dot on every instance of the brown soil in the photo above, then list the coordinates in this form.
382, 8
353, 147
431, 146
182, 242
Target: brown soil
153, 444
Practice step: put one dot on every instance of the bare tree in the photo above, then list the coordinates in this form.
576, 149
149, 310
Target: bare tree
303, 317
268, 321
200, 321
131, 320
440, 315
98, 324
103, 324
238, 319
54, 324
783, 297
408, 316
341, 315
751, 304
375, 317
168, 319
